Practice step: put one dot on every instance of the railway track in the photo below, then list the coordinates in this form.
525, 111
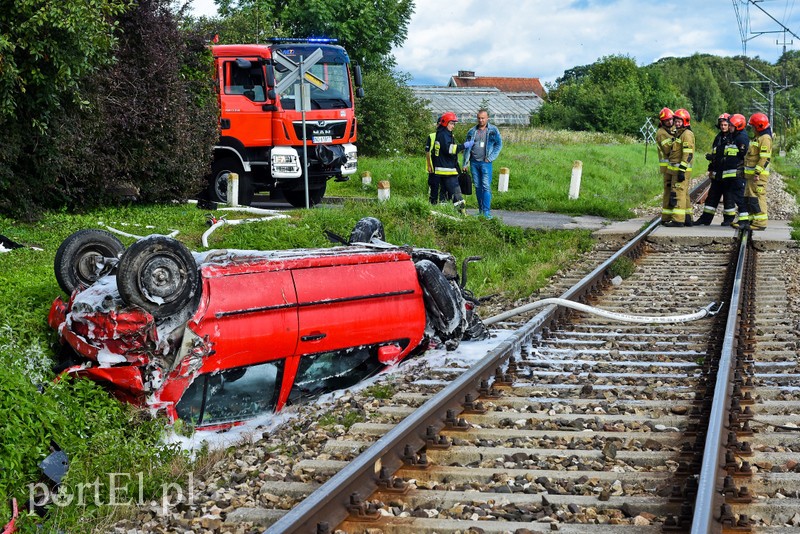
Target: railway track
576, 423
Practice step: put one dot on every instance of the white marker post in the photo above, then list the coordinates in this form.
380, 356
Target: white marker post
575, 182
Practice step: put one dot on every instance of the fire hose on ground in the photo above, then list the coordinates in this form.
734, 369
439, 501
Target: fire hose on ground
708, 311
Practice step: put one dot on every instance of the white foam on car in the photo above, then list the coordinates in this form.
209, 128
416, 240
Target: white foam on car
466, 355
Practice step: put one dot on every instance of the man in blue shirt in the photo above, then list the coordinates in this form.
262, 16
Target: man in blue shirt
485, 149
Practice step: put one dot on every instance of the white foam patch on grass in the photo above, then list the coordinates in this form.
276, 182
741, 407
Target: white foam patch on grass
467, 354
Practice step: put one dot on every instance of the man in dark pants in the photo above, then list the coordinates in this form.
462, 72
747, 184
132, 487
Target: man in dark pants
444, 160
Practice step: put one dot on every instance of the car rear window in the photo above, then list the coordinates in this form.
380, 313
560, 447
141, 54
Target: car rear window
231, 395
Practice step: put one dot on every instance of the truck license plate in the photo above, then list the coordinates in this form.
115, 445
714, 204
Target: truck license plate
321, 138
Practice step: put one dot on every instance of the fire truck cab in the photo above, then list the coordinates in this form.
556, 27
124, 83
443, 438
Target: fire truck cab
261, 119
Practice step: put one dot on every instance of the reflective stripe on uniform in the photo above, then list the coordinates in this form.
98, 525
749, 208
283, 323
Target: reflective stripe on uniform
445, 170
731, 212
759, 217
709, 209
729, 173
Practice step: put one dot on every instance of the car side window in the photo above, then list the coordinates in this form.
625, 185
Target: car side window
328, 371
231, 395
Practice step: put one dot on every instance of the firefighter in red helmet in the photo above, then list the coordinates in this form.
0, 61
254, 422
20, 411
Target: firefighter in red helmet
723, 161
679, 170
443, 152
753, 210
665, 136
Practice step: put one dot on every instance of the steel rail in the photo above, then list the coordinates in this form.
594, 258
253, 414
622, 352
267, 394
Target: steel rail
329, 502
706, 502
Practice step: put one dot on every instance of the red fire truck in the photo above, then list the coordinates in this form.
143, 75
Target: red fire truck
261, 118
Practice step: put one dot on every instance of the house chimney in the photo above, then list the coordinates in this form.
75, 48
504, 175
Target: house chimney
466, 74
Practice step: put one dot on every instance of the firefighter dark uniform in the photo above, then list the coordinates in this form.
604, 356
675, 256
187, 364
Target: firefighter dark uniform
756, 172
444, 158
722, 171
679, 170
733, 168
665, 136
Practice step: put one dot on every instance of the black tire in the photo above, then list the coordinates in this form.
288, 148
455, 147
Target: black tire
81, 258
158, 274
298, 198
218, 181
366, 230
443, 305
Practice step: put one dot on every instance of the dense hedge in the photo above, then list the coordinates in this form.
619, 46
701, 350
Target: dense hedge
145, 124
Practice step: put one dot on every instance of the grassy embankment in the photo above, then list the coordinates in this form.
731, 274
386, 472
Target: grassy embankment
790, 169
102, 436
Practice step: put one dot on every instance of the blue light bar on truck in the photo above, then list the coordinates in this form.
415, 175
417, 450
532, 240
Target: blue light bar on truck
320, 40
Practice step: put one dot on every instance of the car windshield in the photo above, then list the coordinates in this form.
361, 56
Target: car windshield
231, 395
328, 80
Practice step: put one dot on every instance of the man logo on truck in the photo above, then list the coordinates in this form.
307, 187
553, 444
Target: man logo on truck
261, 130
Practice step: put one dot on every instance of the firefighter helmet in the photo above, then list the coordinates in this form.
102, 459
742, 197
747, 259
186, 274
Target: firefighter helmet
759, 121
447, 118
683, 115
665, 114
724, 117
738, 121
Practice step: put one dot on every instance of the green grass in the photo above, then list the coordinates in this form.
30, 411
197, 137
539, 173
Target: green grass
615, 178
790, 169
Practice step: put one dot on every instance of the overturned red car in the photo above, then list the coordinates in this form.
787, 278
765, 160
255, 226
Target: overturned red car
218, 337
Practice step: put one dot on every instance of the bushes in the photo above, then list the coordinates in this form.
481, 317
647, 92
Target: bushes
391, 119
147, 121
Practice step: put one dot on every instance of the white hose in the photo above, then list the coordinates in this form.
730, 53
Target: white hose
624, 317
234, 222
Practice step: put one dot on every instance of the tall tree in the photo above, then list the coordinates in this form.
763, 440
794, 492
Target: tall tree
367, 29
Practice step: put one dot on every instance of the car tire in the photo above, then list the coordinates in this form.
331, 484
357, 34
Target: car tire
366, 230
443, 304
218, 182
158, 274
80, 259
298, 198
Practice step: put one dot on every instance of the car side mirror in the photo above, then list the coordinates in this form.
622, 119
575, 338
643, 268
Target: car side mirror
271, 94
243, 63
357, 78
360, 92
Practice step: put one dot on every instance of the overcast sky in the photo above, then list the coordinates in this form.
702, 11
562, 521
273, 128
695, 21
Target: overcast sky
543, 38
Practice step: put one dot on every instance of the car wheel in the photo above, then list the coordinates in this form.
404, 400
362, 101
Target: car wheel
158, 274
218, 181
83, 258
443, 304
366, 230
298, 198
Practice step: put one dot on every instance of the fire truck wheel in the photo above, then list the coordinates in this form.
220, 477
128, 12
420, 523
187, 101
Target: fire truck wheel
158, 274
298, 198
442, 304
84, 257
366, 230
218, 181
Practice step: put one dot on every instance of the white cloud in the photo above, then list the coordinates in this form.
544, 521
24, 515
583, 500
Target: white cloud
544, 38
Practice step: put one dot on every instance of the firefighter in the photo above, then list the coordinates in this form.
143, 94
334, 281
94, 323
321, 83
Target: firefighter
717, 174
444, 159
733, 168
679, 170
665, 136
753, 210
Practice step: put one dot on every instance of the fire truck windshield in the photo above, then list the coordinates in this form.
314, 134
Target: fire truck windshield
328, 79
